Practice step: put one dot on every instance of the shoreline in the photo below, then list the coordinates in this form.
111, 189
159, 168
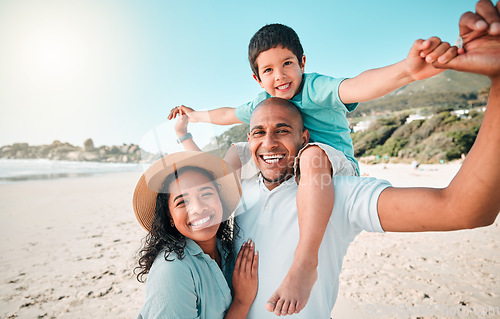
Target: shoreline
26, 170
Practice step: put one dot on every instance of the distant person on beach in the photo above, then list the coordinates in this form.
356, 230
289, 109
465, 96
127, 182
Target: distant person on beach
184, 201
278, 63
267, 212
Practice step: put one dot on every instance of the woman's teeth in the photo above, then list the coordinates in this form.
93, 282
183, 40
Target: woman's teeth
201, 221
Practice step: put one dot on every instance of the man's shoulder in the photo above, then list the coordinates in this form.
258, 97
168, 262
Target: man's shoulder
249, 169
356, 198
356, 184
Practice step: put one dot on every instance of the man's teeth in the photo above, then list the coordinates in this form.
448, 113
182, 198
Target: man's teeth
284, 86
270, 159
201, 221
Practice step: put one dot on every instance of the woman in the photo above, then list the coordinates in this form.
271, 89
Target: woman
184, 201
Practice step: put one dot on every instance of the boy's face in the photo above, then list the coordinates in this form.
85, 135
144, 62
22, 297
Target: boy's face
280, 73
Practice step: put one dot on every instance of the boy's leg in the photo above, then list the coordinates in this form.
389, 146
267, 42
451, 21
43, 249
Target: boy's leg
315, 197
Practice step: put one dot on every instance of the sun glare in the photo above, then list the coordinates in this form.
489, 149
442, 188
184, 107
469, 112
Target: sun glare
53, 55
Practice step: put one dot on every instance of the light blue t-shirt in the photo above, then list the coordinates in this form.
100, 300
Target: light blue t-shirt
192, 287
323, 112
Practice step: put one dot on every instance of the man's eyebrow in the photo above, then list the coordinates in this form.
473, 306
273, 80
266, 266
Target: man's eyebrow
257, 127
283, 125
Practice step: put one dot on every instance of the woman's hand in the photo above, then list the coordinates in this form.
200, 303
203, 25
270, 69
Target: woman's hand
245, 278
182, 110
181, 125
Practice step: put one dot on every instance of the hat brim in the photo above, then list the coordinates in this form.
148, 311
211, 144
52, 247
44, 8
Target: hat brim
150, 183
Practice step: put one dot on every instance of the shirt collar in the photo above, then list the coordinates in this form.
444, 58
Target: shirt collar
194, 249
286, 183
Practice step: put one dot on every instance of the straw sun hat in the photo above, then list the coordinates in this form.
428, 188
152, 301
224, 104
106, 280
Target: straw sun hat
146, 191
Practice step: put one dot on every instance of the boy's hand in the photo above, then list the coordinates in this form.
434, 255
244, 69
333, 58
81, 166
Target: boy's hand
180, 110
425, 55
245, 279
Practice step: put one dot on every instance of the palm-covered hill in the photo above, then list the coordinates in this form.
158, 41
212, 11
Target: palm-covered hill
438, 134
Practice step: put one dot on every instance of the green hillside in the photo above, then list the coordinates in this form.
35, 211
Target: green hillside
449, 89
443, 136
448, 81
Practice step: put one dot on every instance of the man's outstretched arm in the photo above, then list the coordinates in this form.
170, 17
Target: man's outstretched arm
473, 197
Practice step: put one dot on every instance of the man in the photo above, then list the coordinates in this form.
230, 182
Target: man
268, 213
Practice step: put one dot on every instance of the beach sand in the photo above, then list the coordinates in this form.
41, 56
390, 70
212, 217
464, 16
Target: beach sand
426, 275
68, 247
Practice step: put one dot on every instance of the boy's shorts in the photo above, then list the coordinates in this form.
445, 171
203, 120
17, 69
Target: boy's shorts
340, 164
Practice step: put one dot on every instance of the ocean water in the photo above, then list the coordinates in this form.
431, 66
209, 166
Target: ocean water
13, 170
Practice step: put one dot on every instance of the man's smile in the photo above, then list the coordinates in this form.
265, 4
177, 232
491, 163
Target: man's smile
272, 158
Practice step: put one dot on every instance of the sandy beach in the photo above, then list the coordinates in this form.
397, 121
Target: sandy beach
68, 250
68, 247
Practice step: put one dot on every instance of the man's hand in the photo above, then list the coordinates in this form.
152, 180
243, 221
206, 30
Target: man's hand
180, 110
471, 199
480, 34
424, 53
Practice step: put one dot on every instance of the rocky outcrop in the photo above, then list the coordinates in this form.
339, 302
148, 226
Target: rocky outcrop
88, 145
126, 153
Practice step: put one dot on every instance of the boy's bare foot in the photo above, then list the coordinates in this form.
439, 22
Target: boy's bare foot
293, 293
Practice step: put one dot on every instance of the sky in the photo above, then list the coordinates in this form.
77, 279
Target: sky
112, 70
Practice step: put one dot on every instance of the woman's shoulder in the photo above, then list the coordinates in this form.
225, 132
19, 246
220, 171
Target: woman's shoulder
170, 289
169, 264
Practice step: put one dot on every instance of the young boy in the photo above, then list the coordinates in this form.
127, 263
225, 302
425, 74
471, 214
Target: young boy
277, 61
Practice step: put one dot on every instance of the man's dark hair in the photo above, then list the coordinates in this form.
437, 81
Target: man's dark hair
270, 36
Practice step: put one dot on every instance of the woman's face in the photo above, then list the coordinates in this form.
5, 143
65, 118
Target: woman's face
195, 206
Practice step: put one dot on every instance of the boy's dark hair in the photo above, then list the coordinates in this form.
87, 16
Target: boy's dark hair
270, 36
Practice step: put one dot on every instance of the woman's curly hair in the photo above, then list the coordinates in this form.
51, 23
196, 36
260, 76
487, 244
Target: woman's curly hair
164, 237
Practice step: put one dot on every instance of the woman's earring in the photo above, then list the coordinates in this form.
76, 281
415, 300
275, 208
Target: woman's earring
172, 223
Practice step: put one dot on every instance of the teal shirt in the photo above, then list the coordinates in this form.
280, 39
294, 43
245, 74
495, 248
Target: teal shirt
323, 112
192, 287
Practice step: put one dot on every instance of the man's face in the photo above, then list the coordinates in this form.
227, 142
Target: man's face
280, 73
276, 136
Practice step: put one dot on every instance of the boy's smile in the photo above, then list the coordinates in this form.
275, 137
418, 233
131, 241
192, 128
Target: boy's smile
280, 73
